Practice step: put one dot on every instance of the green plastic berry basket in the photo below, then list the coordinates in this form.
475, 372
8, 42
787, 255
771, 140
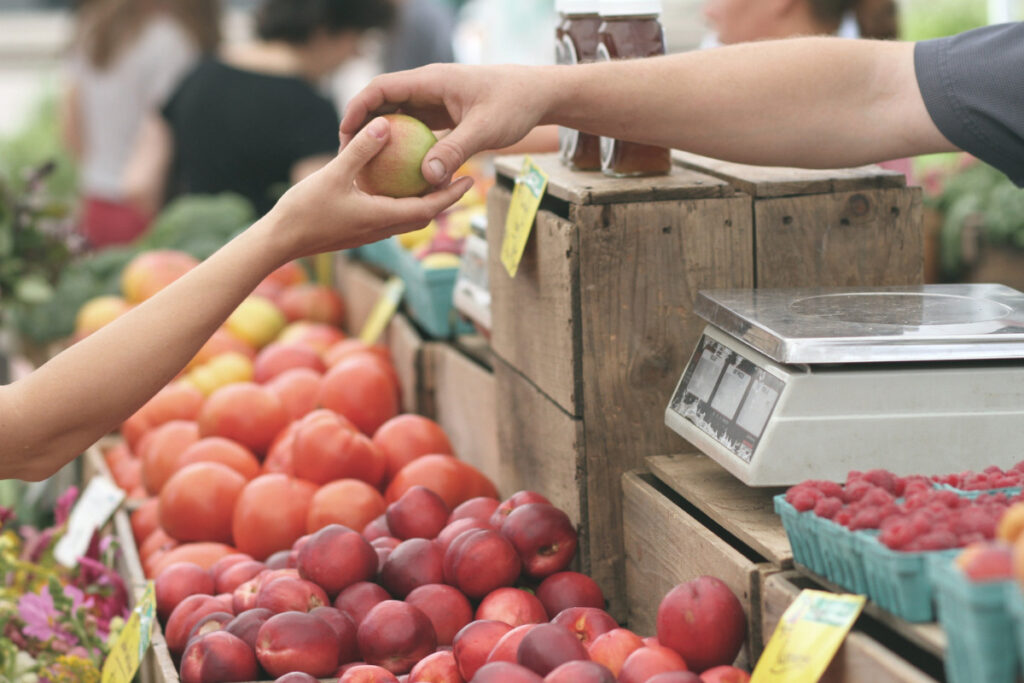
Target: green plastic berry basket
1015, 600
428, 297
844, 556
1009, 491
898, 581
384, 253
979, 626
803, 531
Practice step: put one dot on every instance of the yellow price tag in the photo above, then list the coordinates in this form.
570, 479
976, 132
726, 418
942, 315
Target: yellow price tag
131, 643
808, 637
382, 311
530, 186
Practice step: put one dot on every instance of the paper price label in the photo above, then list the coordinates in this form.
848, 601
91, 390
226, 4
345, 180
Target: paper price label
808, 637
130, 645
91, 511
530, 186
382, 311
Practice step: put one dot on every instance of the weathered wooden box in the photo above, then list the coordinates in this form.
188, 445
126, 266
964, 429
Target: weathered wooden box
592, 334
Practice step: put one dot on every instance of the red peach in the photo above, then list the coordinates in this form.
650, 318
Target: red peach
281, 560
480, 561
724, 674
244, 597
177, 582
455, 529
335, 557
703, 621
227, 561
419, 513
184, 617
247, 624
214, 621
291, 594
218, 656
505, 508
447, 608
513, 606
613, 647
359, 598
377, 528
569, 589
395, 635
505, 672
586, 623
480, 508
297, 641
341, 622
238, 573
367, 673
676, 677
296, 677
648, 661
439, 667
505, 650
543, 536
548, 646
472, 645
580, 672
228, 601
416, 562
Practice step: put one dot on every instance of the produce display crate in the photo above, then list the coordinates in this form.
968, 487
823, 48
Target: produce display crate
979, 623
864, 657
591, 335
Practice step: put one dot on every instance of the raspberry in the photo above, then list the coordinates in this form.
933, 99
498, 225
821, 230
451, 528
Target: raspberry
868, 518
843, 517
896, 535
975, 520
828, 507
855, 491
805, 499
853, 475
935, 540
877, 497
829, 488
882, 478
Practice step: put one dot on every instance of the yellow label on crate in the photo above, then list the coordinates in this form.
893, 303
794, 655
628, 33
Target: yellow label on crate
131, 643
807, 637
530, 186
382, 311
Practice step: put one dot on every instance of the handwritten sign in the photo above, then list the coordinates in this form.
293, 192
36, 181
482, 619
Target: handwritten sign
130, 645
531, 183
382, 311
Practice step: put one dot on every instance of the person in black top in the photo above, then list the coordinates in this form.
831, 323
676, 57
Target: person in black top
251, 119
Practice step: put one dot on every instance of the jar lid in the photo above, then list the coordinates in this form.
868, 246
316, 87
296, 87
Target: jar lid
629, 8
576, 6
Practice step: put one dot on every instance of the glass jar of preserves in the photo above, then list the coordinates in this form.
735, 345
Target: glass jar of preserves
576, 42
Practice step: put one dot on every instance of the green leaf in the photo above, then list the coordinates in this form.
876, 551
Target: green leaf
33, 289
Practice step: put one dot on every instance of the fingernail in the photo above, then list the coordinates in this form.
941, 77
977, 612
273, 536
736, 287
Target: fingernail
436, 169
378, 128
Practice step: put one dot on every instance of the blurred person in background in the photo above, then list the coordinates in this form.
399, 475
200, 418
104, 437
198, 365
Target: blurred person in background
252, 119
126, 58
421, 35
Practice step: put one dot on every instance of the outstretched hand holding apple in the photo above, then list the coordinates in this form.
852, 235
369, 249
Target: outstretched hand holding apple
58, 411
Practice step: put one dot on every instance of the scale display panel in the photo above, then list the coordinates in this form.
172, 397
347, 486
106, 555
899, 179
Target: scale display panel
727, 397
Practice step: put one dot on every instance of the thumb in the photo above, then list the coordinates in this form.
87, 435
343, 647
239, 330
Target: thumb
363, 146
451, 151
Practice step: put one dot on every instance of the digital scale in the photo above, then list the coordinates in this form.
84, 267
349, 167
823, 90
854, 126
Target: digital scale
472, 293
789, 385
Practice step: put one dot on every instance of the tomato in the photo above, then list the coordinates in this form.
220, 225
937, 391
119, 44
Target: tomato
404, 438
297, 388
276, 358
327, 448
270, 514
204, 554
455, 481
226, 452
279, 456
198, 501
245, 412
348, 502
347, 347
160, 449
361, 389
156, 541
145, 520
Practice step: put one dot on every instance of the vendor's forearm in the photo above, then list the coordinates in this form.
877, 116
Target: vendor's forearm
825, 102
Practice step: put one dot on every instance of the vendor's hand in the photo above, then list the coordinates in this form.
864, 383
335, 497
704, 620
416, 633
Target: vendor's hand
486, 108
327, 212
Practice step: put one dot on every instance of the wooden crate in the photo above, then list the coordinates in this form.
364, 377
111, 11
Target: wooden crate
599, 319
862, 657
666, 544
463, 401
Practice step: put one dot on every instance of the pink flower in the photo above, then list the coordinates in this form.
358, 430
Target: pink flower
37, 612
65, 502
6, 514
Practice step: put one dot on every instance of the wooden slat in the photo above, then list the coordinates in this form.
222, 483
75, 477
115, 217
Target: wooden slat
745, 512
666, 546
596, 188
861, 659
465, 407
535, 316
541, 445
407, 347
641, 266
775, 181
869, 238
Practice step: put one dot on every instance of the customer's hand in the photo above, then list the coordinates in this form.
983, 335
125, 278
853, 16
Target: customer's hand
486, 107
327, 212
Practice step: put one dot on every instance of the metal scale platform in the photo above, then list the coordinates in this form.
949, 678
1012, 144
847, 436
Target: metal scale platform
788, 385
